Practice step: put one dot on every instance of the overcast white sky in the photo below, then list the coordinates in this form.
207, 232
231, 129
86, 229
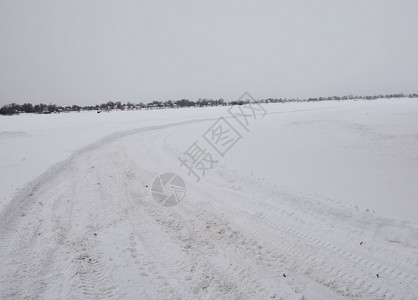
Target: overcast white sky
88, 52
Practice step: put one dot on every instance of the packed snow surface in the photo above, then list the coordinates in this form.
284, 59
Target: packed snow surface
314, 201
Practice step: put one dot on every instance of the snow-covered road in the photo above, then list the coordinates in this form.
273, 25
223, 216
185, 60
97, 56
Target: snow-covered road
89, 228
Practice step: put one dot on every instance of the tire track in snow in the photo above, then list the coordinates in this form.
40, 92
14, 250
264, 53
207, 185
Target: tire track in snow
88, 218
216, 271
227, 247
370, 266
295, 244
148, 217
11, 218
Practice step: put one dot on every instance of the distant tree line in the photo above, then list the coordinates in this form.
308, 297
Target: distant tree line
350, 97
13, 108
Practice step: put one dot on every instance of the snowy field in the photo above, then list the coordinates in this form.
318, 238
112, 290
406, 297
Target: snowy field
315, 201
